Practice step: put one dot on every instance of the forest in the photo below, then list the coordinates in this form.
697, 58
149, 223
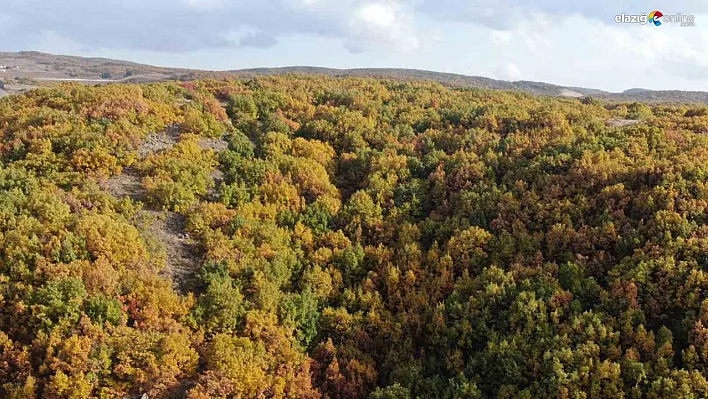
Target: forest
339, 238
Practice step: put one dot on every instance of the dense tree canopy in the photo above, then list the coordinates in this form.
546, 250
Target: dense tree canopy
351, 238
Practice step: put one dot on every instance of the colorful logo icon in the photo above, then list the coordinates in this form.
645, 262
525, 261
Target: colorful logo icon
655, 17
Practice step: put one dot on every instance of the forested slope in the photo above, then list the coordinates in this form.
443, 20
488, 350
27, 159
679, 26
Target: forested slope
358, 238
35, 68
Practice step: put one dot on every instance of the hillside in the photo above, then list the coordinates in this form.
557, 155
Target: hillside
41, 66
33, 65
345, 238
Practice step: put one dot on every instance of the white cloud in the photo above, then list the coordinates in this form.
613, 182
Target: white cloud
509, 71
382, 24
376, 14
191, 25
250, 37
578, 50
500, 36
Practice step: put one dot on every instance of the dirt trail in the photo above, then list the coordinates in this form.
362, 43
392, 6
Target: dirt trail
126, 184
182, 260
168, 227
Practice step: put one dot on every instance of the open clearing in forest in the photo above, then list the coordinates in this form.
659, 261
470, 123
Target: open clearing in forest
167, 227
623, 122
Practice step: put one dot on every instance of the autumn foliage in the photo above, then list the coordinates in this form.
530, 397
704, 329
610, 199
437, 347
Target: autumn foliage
353, 238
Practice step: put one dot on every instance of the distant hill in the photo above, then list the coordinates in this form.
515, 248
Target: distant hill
665, 95
36, 66
447, 79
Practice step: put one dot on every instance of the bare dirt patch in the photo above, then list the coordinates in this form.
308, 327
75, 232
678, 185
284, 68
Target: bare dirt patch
156, 142
182, 259
218, 177
623, 122
126, 184
216, 145
165, 226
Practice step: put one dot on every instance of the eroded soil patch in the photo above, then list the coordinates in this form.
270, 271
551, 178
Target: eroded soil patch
623, 122
167, 227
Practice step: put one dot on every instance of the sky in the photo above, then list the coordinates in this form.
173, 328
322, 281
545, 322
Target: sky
566, 42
